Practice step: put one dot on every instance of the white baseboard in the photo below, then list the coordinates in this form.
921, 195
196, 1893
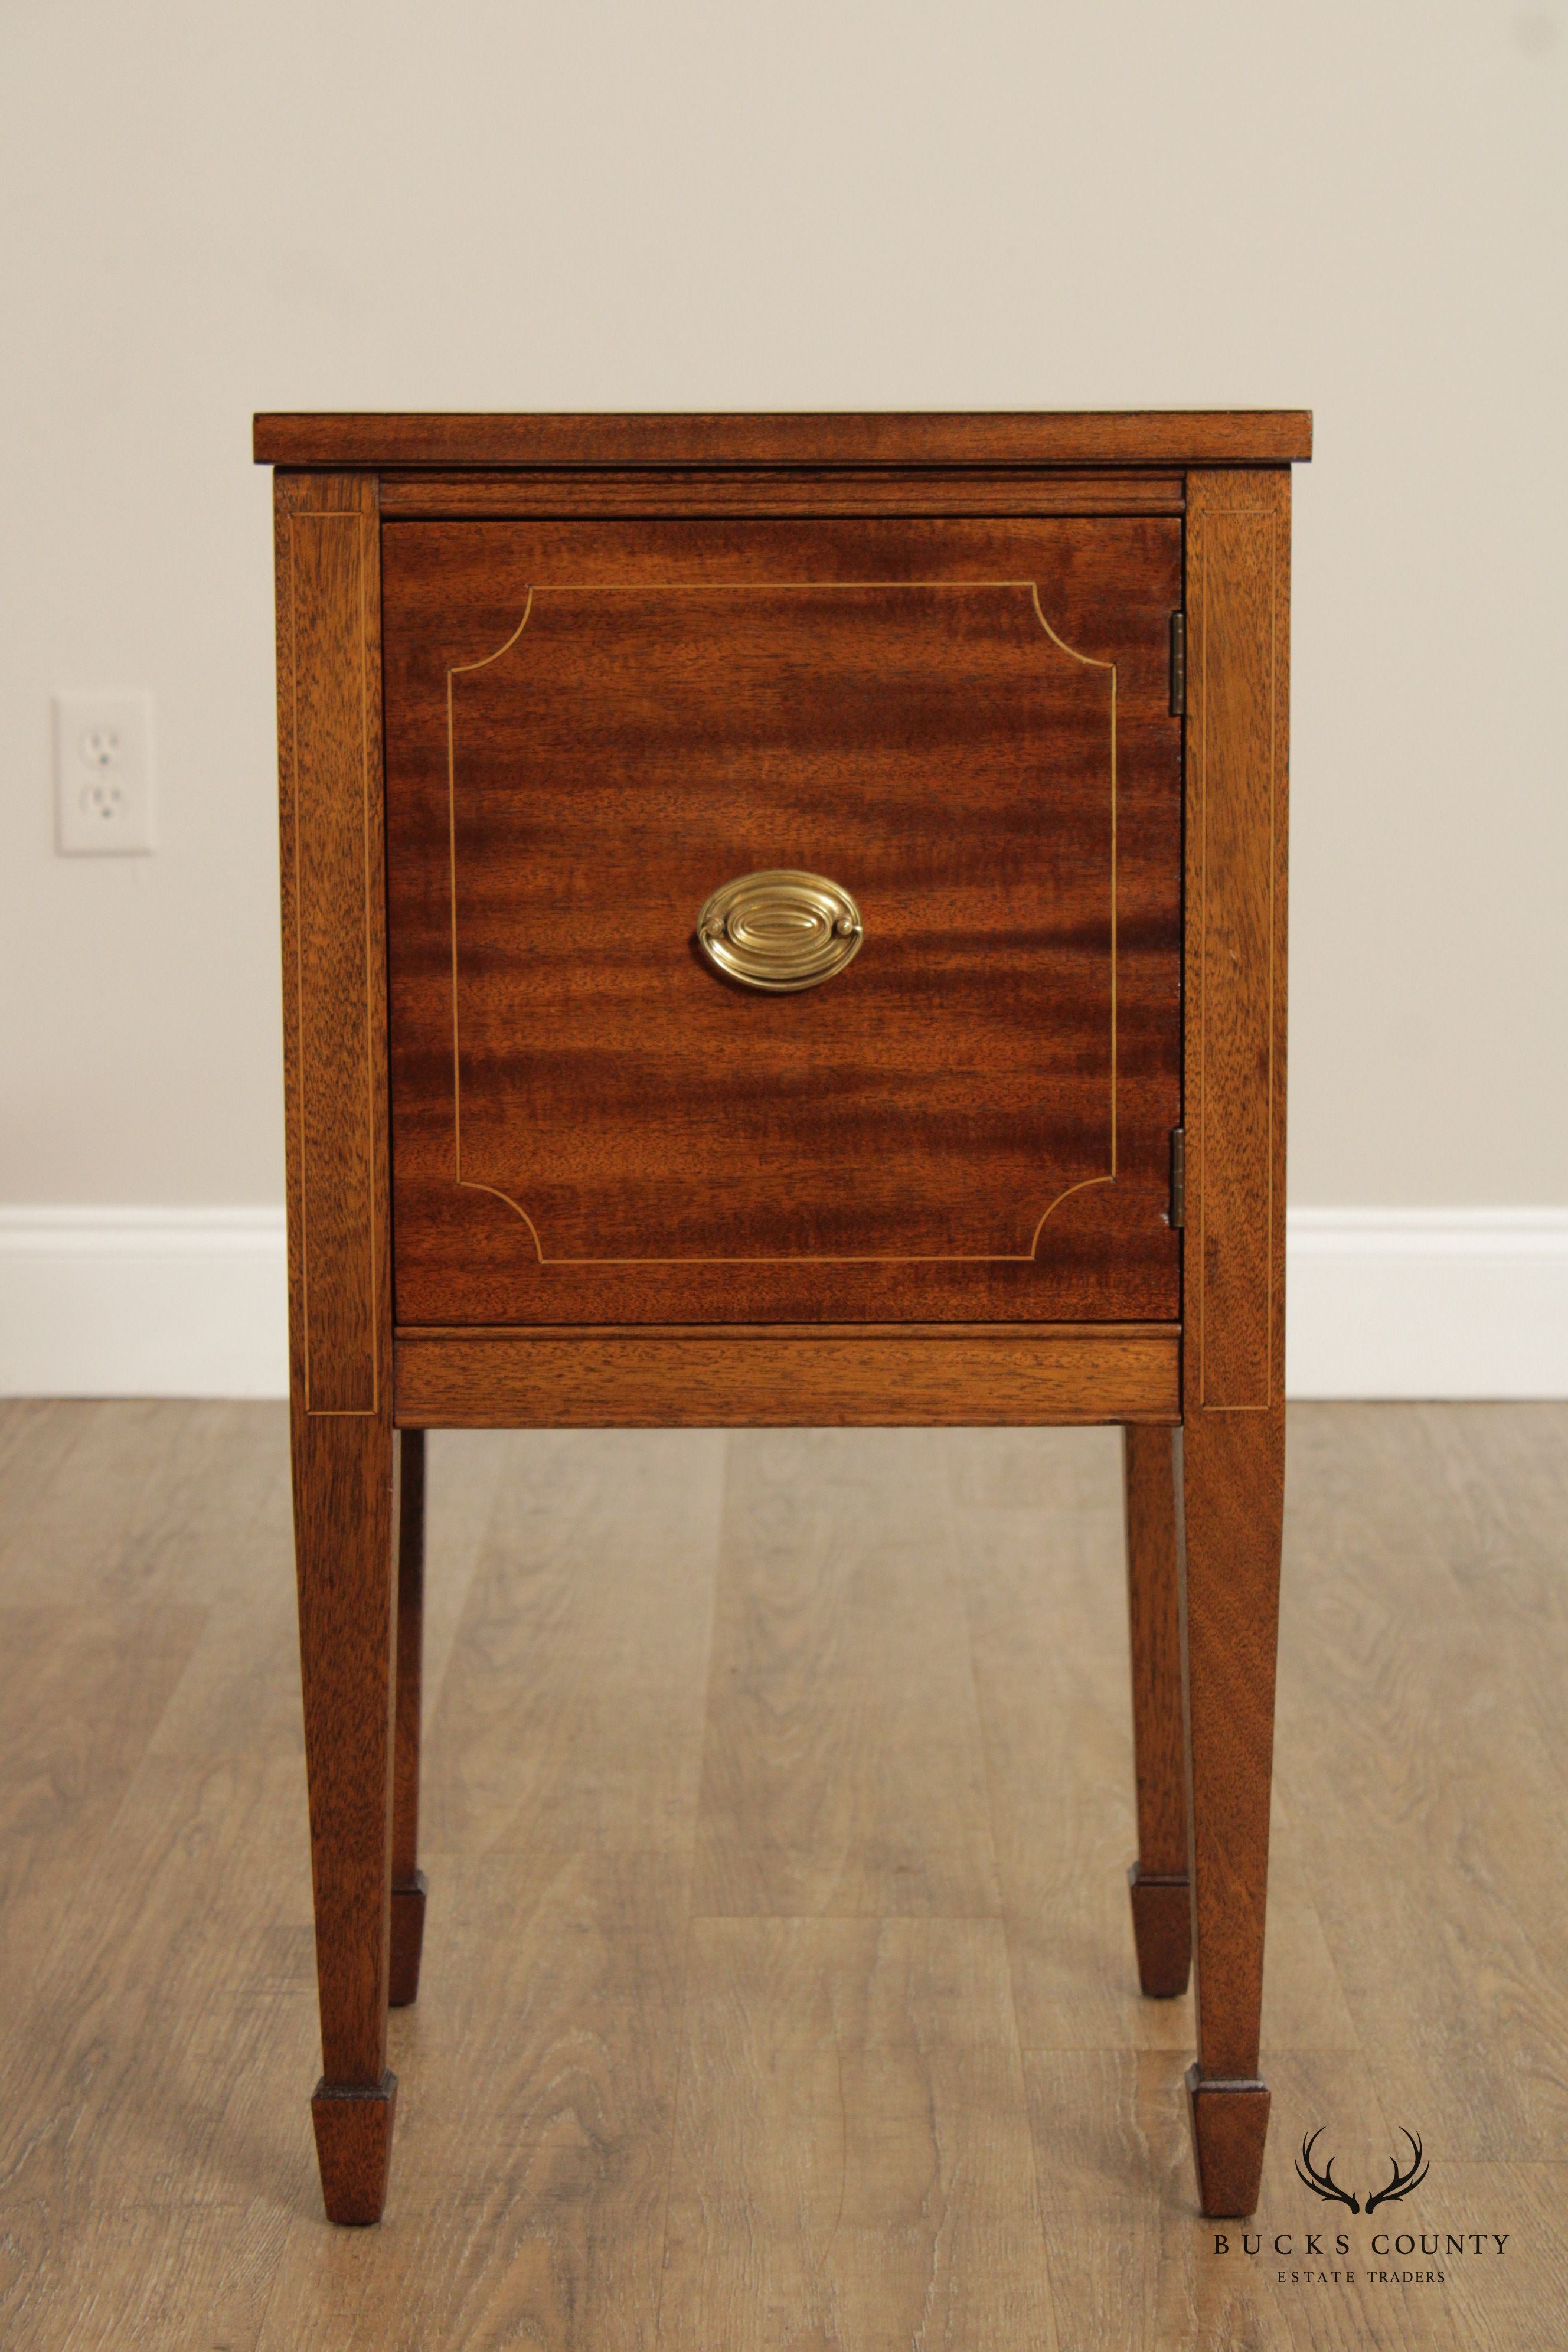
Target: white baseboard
191, 1302
1426, 1303
143, 1302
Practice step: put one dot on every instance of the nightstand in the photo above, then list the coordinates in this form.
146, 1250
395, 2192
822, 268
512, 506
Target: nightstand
784, 922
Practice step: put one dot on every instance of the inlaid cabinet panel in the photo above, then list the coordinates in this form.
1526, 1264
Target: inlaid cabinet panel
965, 726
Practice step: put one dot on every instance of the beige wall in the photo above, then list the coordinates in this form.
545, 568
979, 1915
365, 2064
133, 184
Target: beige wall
1351, 205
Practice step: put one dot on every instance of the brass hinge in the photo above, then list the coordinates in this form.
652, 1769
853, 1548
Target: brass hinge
1178, 1177
1178, 664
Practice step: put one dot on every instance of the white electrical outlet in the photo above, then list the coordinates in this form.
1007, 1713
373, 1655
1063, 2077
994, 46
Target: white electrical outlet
103, 774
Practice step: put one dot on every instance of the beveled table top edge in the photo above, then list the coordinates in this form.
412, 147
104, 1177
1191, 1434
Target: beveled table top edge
1070, 438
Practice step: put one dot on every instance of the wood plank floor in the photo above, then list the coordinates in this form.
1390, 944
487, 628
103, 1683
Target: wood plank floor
778, 1985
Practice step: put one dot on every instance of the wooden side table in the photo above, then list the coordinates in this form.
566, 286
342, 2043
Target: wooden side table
784, 922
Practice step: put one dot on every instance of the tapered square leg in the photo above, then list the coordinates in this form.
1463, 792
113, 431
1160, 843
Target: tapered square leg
1233, 1483
344, 1531
332, 873
409, 1887
1162, 1932
1161, 1902
1229, 2123
1237, 592
407, 1942
353, 2148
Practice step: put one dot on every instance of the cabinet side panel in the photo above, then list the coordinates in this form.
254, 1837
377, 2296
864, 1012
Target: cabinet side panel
1238, 627
328, 605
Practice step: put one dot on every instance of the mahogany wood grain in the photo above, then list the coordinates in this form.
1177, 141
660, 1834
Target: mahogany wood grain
812, 1377
409, 1887
627, 660
741, 490
1229, 2127
1161, 1902
340, 1290
344, 1537
1233, 1485
1232, 1442
1239, 617
329, 743
1160, 437
353, 2147
966, 724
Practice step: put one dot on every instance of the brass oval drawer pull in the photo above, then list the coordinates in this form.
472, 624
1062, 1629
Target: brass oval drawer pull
781, 930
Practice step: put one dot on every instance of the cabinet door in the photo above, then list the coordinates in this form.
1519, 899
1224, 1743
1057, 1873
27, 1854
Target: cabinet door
965, 727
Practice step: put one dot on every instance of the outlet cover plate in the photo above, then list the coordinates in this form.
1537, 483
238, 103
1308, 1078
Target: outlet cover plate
103, 775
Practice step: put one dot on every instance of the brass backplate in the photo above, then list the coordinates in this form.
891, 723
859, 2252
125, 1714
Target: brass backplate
781, 931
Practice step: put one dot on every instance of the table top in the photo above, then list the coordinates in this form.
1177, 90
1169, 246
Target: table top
1207, 437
